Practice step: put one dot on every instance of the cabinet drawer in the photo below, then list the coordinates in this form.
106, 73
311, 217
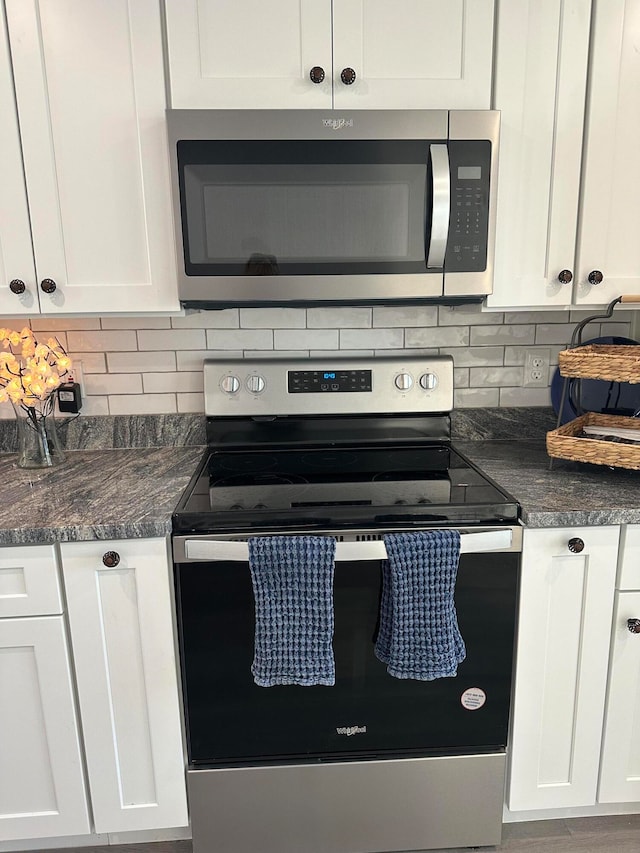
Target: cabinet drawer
29, 583
629, 575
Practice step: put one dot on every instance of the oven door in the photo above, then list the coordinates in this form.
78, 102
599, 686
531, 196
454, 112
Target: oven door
368, 713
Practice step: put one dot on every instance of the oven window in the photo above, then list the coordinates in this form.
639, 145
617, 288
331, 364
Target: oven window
303, 207
230, 719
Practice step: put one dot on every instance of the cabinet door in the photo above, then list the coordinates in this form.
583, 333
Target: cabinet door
248, 54
16, 254
610, 213
620, 769
89, 82
413, 54
566, 601
41, 781
539, 87
29, 583
122, 637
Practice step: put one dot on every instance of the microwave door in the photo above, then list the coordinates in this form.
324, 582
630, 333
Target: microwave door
440, 206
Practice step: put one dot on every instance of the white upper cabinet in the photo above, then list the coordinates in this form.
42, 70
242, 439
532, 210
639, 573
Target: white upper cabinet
610, 212
540, 81
90, 94
566, 204
365, 54
16, 254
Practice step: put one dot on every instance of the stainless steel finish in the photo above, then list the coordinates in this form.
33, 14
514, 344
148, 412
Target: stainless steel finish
428, 381
230, 384
342, 807
385, 397
477, 124
334, 124
441, 206
496, 540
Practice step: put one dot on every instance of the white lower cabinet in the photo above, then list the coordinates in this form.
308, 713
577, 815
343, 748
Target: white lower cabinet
120, 616
566, 604
42, 790
620, 768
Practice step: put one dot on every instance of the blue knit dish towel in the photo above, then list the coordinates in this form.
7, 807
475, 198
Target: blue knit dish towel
418, 635
293, 589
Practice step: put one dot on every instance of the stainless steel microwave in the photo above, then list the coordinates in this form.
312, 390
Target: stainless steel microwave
302, 207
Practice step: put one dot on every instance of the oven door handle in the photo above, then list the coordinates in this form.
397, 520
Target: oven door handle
470, 543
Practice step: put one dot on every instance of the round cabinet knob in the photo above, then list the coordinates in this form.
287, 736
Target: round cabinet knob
316, 74
595, 277
230, 384
17, 286
565, 277
633, 625
111, 559
428, 381
48, 285
403, 381
348, 76
575, 545
255, 384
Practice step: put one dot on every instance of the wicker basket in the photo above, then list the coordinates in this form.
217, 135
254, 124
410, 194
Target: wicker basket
601, 361
564, 442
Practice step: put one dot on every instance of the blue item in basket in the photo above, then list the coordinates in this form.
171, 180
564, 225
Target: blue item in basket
597, 395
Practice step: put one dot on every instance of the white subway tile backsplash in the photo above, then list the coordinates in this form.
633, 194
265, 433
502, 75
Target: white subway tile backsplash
158, 383
142, 404
480, 377
139, 362
234, 339
371, 338
115, 341
138, 365
416, 315
272, 318
113, 383
305, 339
502, 335
172, 339
447, 336
339, 318
226, 319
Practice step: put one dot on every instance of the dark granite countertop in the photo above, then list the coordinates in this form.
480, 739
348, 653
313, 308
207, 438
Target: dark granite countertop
96, 494
570, 494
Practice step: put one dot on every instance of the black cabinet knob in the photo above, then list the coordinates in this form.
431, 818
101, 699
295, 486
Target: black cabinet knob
633, 625
316, 74
48, 285
565, 277
595, 277
111, 559
17, 286
575, 545
348, 76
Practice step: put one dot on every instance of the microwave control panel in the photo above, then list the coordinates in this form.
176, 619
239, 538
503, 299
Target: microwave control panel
470, 164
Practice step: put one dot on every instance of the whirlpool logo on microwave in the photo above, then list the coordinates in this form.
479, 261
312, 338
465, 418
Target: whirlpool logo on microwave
337, 123
351, 730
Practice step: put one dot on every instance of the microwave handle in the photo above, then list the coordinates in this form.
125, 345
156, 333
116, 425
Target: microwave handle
441, 205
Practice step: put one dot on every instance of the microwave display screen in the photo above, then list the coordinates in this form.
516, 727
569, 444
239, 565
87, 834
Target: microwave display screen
297, 207
469, 173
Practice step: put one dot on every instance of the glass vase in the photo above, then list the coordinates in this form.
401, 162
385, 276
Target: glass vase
38, 443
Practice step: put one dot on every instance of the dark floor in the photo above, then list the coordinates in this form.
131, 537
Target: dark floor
615, 834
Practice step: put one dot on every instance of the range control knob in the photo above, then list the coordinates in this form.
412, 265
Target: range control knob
255, 384
428, 381
230, 384
403, 381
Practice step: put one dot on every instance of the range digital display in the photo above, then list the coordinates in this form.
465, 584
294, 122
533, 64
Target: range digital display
328, 381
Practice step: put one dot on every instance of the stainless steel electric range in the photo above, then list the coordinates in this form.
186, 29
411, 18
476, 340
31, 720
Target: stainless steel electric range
351, 449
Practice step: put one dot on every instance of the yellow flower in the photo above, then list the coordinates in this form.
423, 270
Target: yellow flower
14, 339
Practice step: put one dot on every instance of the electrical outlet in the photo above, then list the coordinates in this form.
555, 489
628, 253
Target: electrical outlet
536, 368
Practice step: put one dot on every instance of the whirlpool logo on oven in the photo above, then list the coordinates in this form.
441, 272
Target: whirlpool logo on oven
351, 730
337, 123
